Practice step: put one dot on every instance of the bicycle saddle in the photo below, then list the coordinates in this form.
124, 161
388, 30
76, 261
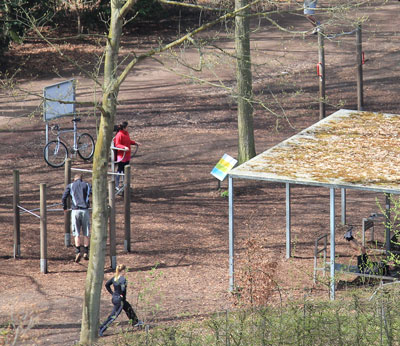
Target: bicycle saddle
76, 119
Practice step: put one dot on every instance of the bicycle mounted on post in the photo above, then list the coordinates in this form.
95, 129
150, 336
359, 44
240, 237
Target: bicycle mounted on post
56, 151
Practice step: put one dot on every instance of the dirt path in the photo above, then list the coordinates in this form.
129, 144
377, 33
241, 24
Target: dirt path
179, 220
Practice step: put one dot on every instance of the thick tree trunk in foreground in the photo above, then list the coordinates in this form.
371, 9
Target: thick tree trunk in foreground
246, 147
95, 272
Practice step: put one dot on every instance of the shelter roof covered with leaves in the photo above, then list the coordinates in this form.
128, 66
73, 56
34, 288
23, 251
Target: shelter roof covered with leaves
349, 149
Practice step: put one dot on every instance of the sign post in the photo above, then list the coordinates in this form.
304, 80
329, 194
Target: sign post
59, 101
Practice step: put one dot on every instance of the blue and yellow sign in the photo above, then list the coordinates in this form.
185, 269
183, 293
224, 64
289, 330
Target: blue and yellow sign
222, 168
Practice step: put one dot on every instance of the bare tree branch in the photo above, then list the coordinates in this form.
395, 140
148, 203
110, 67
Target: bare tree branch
177, 42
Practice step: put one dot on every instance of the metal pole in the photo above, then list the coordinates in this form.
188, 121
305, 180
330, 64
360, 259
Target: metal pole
43, 229
67, 214
75, 136
343, 209
321, 74
231, 235
17, 219
288, 223
127, 209
387, 222
359, 59
332, 229
111, 201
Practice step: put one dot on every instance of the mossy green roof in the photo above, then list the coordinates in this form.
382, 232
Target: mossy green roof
350, 149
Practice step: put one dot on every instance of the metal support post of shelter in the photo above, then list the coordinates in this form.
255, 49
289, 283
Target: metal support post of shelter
387, 222
343, 205
332, 241
231, 235
288, 222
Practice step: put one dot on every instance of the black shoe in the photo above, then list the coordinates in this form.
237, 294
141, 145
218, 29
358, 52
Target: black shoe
349, 234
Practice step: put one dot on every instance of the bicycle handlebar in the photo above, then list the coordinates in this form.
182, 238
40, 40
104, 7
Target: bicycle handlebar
124, 150
115, 148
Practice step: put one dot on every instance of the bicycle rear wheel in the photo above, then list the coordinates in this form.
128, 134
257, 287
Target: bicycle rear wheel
134, 149
55, 153
85, 146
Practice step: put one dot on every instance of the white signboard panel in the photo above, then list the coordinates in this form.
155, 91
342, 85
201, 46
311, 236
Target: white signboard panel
222, 168
55, 97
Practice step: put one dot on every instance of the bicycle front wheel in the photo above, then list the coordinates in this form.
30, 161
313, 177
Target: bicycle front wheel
85, 146
55, 153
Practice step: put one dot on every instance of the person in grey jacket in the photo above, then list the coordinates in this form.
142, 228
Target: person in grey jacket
79, 192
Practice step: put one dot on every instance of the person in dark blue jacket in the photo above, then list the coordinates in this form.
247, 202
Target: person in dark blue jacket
118, 281
79, 192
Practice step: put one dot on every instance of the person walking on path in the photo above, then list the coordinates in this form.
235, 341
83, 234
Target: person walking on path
118, 281
309, 11
123, 141
79, 192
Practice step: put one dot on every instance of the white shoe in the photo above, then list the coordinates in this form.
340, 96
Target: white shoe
139, 324
316, 29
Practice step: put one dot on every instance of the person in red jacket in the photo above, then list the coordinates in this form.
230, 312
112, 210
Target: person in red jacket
123, 141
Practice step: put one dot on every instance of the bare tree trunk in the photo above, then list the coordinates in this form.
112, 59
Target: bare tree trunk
246, 147
95, 272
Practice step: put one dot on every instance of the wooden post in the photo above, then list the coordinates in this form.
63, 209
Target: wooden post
113, 154
359, 57
111, 223
43, 229
67, 214
17, 220
127, 207
321, 74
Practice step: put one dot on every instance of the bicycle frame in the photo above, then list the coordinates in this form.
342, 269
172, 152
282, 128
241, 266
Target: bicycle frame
74, 130
83, 145
75, 145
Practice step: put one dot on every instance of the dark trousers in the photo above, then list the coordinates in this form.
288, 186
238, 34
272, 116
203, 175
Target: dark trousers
119, 305
121, 166
120, 169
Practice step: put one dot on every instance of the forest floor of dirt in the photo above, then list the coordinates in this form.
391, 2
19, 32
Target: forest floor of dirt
179, 220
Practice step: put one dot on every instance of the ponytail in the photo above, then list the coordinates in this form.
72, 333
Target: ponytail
120, 268
120, 127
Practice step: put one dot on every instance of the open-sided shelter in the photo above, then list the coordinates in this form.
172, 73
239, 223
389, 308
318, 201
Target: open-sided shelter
347, 150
